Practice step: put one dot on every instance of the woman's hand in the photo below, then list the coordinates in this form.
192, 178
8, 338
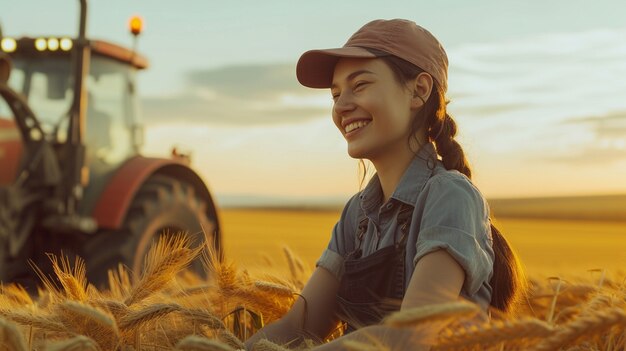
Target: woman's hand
313, 312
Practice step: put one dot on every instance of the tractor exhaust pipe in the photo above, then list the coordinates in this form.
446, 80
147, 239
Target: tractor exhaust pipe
78, 174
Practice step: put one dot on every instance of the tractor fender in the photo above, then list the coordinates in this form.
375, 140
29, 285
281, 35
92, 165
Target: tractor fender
112, 206
11, 149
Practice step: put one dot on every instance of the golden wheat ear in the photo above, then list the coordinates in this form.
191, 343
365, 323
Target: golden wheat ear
198, 343
73, 279
222, 272
429, 313
120, 283
266, 345
78, 343
493, 333
10, 337
170, 255
83, 319
14, 295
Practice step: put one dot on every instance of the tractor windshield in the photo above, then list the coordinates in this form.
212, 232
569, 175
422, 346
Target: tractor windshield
47, 84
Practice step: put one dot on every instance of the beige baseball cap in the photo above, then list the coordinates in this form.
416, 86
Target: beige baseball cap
397, 37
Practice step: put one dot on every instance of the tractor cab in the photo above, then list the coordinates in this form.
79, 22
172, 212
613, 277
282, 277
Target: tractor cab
72, 178
42, 73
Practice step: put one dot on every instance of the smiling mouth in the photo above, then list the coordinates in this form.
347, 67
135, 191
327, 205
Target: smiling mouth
356, 125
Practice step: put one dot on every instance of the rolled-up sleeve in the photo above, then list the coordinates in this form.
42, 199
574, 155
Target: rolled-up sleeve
456, 219
341, 241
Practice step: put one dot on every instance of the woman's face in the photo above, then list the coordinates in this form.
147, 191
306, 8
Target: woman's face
371, 108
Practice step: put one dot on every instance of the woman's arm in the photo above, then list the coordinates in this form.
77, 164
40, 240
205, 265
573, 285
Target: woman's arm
316, 315
437, 278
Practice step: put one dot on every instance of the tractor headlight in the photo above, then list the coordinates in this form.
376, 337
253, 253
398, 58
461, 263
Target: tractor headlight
53, 44
8, 44
41, 44
66, 44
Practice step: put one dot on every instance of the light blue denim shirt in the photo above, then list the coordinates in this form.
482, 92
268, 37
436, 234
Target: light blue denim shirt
449, 213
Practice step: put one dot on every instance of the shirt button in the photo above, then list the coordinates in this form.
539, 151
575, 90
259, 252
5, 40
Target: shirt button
389, 206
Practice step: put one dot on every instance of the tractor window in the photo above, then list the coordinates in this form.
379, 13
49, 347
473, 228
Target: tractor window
46, 85
15, 79
5, 111
109, 134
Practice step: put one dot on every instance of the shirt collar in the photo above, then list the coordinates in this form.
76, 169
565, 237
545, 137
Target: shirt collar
413, 180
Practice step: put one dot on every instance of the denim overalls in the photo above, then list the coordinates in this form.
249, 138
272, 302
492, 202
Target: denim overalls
373, 286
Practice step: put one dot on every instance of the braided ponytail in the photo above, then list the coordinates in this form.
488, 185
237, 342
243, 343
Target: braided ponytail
508, 281
452, 154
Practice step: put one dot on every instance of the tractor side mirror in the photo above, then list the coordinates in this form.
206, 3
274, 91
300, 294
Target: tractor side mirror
5, 68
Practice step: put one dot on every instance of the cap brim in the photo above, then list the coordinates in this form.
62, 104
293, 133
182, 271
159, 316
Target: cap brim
315, 68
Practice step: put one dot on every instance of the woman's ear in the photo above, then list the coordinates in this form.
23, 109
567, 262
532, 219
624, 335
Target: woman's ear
421, 87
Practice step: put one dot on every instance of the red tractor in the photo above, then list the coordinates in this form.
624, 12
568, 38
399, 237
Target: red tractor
72, 178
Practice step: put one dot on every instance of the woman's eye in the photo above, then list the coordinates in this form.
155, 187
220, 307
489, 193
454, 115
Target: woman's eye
335, 96
359, 85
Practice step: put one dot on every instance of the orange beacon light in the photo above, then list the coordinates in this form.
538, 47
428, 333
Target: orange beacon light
136, 25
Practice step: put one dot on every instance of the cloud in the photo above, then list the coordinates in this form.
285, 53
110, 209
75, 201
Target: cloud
609, 126
606, 142
515, 84
541, 77
592, 155
259, 94
248, 81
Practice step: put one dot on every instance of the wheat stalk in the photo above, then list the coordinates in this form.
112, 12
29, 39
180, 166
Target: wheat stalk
74, 281
15, 295
198, 343
119, 282
135, 319
587, 325
253, 300
38, 321
90, 321
169, 256
10, 337
291, 261
117, 309
204, 318
230, 339
194, 290
223, 272
278, 290
488, 334
430, 313
78, 343
266, 345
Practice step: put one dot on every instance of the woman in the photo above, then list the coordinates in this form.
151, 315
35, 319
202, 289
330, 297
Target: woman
420, 231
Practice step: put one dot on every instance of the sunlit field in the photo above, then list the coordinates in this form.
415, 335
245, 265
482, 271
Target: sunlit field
546, 247
576, 298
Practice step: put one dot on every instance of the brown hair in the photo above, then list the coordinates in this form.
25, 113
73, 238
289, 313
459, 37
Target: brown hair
508, 281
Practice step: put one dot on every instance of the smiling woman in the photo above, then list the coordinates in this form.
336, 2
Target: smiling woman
420, 232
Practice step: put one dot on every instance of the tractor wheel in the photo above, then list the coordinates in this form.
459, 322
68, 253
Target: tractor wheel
162, 206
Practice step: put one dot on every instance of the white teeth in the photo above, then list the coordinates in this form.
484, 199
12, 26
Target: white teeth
355, 125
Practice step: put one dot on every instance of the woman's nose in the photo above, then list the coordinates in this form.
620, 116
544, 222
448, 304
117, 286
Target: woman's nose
343, 104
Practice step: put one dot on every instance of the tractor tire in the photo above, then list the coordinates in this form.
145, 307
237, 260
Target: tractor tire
162, 206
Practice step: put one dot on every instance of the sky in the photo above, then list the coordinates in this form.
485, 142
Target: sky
535, 86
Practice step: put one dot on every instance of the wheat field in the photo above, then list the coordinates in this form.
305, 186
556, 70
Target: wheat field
546, 247
167, 308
